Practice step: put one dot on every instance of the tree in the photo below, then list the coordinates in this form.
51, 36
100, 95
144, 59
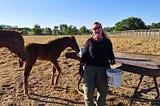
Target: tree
132, 23
56, 31
108, 29
71, 30
155, 25
63, 28
37, 30
1, 27
83, 30
25, 30
48, 31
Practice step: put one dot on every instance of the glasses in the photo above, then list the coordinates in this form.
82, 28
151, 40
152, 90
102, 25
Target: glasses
97, 28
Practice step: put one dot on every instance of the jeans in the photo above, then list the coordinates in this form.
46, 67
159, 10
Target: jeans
95, 78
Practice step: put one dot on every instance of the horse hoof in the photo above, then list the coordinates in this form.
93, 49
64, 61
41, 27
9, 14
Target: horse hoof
26, 94
54, 87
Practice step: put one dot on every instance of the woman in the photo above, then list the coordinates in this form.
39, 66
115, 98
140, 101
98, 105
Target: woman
97, 57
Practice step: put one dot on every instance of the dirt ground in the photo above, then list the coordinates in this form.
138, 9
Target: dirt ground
42, 93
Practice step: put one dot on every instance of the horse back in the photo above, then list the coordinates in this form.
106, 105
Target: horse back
42, 51
33, 49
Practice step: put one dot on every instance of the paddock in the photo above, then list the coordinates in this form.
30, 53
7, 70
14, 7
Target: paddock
42, 93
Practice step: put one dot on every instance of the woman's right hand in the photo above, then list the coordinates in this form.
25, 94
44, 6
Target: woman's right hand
81, 71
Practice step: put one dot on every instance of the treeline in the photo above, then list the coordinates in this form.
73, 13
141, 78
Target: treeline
131, 23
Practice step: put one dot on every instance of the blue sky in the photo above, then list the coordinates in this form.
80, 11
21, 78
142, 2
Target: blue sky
48, 13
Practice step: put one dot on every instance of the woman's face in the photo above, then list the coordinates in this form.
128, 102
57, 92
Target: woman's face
97, 31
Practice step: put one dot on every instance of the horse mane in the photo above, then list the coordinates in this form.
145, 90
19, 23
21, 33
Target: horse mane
55, 41
58, 39
11, 31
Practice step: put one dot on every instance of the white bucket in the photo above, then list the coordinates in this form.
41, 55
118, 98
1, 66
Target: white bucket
114, 77
81, 51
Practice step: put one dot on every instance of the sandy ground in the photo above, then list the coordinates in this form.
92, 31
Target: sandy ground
42, 93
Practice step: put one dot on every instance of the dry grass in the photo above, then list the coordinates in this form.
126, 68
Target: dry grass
131, 44
42, 94
135, 44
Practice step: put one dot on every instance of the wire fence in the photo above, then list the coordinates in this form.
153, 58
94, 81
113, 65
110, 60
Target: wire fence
148, 32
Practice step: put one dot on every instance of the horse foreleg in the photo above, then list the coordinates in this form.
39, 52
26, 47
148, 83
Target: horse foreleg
28, 68
54, 71
59, 71
56, 80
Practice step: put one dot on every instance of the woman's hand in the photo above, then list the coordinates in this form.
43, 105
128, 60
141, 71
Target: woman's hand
112, 62
81, 71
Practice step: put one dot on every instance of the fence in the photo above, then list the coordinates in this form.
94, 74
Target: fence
147, 32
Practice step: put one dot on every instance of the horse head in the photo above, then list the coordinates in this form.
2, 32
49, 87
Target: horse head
74, 44
17, 46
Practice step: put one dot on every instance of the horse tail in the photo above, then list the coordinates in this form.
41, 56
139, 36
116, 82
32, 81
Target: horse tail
80, 91
20, 63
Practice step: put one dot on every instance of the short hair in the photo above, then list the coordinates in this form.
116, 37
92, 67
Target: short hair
97, 23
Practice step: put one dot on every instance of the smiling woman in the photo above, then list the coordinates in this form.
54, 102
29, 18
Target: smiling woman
97, 57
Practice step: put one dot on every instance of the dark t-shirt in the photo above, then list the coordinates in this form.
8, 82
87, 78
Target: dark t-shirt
98, 53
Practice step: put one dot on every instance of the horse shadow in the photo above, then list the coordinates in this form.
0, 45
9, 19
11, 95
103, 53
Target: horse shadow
54, 100
62, 101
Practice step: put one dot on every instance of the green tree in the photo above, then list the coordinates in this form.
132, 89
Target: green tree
148, 27
56, 31
1, 27
131, 23
37, 30
155, 25
48, 31
83, 30
108, 29
71, 30
63, 28
25, 30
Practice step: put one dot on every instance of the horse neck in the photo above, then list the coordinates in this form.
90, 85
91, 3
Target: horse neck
61, 44
5, 41
64, 45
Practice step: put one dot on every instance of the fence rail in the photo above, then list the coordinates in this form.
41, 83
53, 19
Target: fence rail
149, 32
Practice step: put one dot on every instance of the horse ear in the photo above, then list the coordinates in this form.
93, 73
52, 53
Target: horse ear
21, 32
72, 36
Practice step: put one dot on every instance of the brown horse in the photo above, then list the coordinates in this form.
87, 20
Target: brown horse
50, 51
14, 41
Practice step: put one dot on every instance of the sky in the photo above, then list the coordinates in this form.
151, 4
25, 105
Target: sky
50, 13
